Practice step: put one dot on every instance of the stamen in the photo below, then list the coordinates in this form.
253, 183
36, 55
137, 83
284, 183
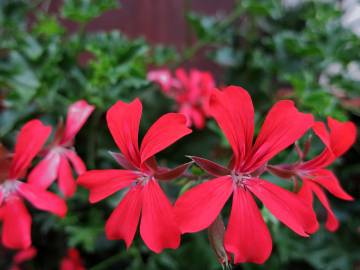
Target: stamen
9, 187
240, 179
143, 179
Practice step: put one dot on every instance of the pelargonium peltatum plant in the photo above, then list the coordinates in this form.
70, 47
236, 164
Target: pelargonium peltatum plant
145, 204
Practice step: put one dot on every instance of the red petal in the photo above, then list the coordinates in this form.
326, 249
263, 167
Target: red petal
45, 172
103, 183
321, 131
328, 180
165, 131
158, 227
123, 121
16, 229
198, 118
2, 211
76, 162
168, 174
342, 136
306, 193
77, 115
247, 236
72, 261
233, 110
202, 84
197, 208
193, 116
332, 224
67, 184
25, 255
285, 206
322, 160
186, 111
67, 264
124, 220
162, 77
183, 78
283, 125
43, 200
30, 140
210, 166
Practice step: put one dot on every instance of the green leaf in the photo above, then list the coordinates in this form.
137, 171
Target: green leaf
83, 11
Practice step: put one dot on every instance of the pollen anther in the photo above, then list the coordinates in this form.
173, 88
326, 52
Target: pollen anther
240, 179
143, 179
9, 187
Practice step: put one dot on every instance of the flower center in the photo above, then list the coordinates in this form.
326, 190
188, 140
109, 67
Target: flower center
143, 179
240, 179
58, 150
9, 187
305, 174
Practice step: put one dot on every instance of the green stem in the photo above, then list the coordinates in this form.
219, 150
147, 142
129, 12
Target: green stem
92, 141
191, 51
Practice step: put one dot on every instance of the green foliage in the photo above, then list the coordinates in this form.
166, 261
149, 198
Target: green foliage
273, 47
301, 52
83, 11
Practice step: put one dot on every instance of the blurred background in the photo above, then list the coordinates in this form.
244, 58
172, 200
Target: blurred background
55, 52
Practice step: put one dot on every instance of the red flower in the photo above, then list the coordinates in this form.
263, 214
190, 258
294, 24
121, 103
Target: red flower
313, 173
13, 213
190, 91
56, 163
72, 261
23, 256
247, 236
162, 77
157, 227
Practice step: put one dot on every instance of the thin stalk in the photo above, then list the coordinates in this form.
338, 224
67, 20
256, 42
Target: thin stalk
92, 141
191, 51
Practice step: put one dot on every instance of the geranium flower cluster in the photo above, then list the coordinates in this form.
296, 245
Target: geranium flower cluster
191, 92
145, 205
16, 220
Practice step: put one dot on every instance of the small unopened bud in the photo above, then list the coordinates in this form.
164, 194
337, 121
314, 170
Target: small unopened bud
299, 151
5, 163
216, 233
259, 171
283, 171
296, 187
59, 133
307, 145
